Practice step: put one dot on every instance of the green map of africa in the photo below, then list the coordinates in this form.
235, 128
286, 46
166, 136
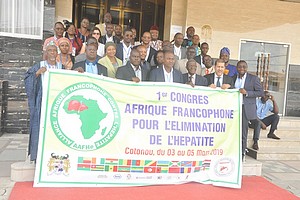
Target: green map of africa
89, 113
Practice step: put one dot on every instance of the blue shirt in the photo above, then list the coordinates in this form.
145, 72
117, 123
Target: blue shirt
232, 70
91, 67
263, 108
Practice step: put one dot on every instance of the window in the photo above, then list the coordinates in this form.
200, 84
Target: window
22, 18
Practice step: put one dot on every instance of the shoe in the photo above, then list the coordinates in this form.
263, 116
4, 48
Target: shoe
255, 146
273, 136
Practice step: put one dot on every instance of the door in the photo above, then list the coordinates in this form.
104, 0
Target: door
269, 61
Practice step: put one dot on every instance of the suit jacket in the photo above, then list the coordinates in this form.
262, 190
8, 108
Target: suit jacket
103, 39
200, 80
151, 54
226, 80
101, 69
111, 70
126, 72
183, 52
157, 75
198, 59
119, 52
254, 89
180, 65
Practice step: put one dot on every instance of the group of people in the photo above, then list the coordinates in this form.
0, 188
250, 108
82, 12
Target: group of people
117, 54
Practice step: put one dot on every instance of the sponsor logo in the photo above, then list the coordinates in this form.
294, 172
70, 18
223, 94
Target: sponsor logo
224, 167
102, 176
117, 176
143, 177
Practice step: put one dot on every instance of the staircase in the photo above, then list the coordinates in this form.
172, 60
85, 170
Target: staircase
287, 148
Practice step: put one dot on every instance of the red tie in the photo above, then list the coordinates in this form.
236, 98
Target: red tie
206, 71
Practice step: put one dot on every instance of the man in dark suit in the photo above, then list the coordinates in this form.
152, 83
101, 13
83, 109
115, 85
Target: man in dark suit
123, 49
191, 77
108, 37
166, 73
133, 71
90, 64
250, 87
219, 79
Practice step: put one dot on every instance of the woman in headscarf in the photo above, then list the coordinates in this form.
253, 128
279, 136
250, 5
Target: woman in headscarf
110, 61
65, 55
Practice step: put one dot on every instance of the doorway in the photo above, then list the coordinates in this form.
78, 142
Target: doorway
269, 61
140, 14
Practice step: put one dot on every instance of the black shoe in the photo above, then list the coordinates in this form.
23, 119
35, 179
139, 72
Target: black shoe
273, 136
255, 146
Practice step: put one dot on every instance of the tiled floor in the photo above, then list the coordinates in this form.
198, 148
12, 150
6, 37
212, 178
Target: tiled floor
13, 148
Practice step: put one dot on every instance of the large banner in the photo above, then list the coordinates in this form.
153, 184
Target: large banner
102, 132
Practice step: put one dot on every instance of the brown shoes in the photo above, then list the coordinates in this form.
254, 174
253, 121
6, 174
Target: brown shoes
255, 146
273, 136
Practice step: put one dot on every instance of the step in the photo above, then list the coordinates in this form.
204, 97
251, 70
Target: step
282, 143
271, 153
251, 167
282, 132
289, 122
22, 171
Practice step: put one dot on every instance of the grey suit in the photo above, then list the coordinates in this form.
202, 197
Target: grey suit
254, 89
200, 80
226, 80
157, 75
126, 72
183, 52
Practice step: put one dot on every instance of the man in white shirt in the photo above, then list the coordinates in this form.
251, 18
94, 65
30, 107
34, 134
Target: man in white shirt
178, 49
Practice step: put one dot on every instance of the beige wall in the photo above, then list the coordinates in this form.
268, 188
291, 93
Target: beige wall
232, 20
63, 10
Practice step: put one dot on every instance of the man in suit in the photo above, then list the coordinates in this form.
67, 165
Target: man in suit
179, 50
250, 87
218, 78
133, 71
191, 77
108, 37
200, 58
90, 64
166, 73
124, 48
143, 52
208, 63
180, 65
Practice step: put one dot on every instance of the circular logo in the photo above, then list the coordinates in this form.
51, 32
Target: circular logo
224, 167
85, 117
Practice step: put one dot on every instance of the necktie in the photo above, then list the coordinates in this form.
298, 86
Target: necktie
206, 71
218, 82
191, 79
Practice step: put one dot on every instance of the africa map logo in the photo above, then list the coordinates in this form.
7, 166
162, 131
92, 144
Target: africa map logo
85, 117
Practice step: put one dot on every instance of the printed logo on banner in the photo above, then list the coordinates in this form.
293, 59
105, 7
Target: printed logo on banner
85, 117
58, 164
224, 167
